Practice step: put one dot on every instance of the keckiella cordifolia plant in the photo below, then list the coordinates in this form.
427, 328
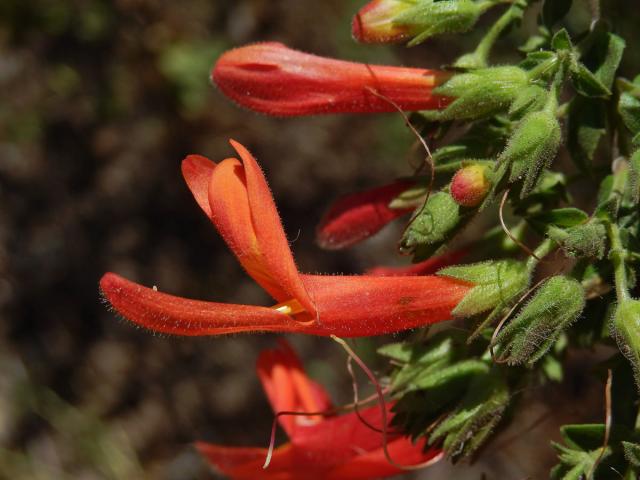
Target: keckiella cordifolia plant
543, 153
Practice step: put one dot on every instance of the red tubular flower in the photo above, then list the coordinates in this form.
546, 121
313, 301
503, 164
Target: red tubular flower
339, 447
427, 267
357, 216
235, 196
274, 79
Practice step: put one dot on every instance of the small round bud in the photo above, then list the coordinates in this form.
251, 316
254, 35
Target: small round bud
470, 185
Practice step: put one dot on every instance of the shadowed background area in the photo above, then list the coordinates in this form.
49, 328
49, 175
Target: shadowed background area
100, 102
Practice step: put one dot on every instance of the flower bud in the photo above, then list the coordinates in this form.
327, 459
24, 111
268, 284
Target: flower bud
497, 283
360, 215
532, 147
432, 224
588, 240
466, 428
626, 330
533, 332
481, 92
389, 21
276, 80
470, 185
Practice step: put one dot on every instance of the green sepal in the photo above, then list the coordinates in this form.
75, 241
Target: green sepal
428, 18
497, 282
480, 93
528, 337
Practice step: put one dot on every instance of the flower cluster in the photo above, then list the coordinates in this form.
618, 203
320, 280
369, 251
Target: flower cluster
497, 131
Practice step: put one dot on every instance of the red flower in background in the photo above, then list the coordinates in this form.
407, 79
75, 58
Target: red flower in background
359, 215
374, 23
426, 267
337, 447
235, 196
274, 79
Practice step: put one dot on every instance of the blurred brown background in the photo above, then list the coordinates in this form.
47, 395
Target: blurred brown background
100, 102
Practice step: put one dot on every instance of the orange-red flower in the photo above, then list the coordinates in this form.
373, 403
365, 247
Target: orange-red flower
359, 215
426, 267
337, 448
274, 79
236, 197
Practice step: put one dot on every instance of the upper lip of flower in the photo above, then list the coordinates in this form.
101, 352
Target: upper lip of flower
237, 199
320, 447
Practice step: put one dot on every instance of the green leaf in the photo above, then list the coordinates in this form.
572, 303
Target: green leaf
457, 372
562, 217
632, 453
561, 40
555, 10
586, 83
629, 110
470, 424
586, 128
583, 437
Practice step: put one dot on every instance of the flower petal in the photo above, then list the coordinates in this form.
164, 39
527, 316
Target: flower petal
288, 387
197, 171
277, 80
245, 463
244, 212
358, 216
165, 313
357, 306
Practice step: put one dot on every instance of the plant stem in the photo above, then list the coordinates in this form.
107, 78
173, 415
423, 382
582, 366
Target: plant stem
618, 255
545, 247
513, 13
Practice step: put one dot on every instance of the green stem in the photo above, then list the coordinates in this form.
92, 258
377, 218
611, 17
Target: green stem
545, 247
512, 14
618, 255
544, 69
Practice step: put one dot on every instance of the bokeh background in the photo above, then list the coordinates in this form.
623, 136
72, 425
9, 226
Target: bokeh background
100, 100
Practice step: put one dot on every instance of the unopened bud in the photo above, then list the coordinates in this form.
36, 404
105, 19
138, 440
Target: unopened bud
389, 21
539, 324
432, 224
626, 330
532, 147
481, 92
470, 185
581, 241
498, 282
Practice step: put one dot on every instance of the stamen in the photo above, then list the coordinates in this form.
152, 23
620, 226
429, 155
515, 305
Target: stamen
290, 307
